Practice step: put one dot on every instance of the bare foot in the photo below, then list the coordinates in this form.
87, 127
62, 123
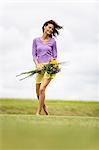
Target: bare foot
37, 114
45, 109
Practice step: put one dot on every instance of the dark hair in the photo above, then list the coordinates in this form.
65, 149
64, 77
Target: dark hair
56, 27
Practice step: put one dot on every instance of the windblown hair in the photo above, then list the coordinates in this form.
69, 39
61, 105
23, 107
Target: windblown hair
56, 27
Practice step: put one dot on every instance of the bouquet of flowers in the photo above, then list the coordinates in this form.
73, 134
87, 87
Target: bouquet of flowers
51, 68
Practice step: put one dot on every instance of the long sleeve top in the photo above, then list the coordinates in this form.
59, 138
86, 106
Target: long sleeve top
43, 52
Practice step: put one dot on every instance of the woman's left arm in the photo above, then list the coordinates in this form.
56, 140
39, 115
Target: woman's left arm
54, 54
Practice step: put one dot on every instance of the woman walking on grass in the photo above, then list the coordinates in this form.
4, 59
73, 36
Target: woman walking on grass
44, 49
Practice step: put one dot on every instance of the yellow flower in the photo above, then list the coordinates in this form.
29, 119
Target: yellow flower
54, 62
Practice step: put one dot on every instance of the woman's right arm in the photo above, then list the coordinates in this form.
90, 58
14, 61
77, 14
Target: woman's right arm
34, 54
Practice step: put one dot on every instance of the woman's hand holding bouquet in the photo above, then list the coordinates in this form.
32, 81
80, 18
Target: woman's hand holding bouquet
39, 66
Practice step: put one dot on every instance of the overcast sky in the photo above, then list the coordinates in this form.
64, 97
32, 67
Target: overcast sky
78, 43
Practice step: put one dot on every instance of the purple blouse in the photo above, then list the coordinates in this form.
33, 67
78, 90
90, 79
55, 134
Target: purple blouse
43, 52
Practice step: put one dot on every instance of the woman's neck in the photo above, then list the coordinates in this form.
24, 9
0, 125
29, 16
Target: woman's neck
45, 37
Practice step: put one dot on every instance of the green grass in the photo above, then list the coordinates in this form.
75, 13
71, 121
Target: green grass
71, 125
28, 132
56, 107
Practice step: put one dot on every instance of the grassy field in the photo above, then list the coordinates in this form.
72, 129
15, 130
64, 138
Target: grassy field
56, 107
71, 125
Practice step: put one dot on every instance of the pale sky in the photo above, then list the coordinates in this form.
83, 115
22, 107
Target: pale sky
78, 43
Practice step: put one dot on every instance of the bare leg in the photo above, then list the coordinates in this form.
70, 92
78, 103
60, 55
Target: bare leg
37, 89
43, 86
37, 93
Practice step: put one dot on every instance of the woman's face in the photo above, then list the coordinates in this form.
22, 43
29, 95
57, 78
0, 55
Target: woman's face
49, 29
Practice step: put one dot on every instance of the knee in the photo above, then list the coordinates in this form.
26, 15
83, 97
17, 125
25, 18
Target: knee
42, 90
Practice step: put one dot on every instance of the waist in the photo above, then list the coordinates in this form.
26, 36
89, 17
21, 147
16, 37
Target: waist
44, 59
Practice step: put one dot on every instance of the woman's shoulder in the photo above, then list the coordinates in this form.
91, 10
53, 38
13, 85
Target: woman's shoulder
53, 39
36, 39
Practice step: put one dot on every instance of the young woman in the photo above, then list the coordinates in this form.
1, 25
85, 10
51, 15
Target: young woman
44, 49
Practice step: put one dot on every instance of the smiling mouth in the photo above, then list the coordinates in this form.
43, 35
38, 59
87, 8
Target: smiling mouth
50, 32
